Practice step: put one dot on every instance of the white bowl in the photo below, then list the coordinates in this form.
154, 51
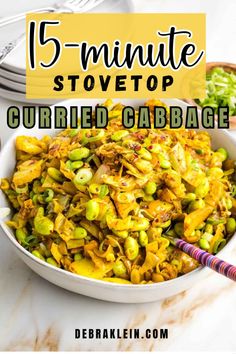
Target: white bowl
95, 288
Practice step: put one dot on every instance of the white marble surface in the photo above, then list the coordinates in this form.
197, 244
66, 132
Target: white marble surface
35, 315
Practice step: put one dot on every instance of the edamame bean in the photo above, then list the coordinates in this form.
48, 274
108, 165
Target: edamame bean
204, 244
42, 224
76, 165
68, 165
83, 176
189, 197
55, 174
48, 195
104, 190
224, 153
164, 163
119, 268
79, 154
150, 188
80, 233
21, 236
148, 198
202, 189
215, 220
92, 210
197, 204
143, 238
38, 255
119, 135
35, 199
131, 248
52, 261
230, 225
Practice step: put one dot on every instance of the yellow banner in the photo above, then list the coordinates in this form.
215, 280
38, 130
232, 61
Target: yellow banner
115, 55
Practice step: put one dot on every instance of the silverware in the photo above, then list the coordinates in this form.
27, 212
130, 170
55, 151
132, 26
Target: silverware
9, 47
68, 6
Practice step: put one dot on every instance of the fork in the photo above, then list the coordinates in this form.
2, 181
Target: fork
68, 6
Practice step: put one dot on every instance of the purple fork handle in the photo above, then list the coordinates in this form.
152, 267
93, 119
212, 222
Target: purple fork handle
207, 259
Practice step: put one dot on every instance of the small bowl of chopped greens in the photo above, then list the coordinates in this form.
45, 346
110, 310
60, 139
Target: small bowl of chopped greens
220, 89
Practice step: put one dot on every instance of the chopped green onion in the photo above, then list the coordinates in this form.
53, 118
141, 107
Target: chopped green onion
220, 90
103, 191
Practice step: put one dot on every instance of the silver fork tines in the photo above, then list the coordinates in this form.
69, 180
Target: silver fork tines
70, 6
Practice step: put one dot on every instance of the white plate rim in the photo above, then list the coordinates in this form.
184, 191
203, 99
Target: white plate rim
21, 97
12, 76
22, 71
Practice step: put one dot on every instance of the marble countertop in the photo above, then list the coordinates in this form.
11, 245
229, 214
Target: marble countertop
36, 315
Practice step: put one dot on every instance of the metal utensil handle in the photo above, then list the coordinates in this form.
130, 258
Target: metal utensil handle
207, 259
9, 47
11, 19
